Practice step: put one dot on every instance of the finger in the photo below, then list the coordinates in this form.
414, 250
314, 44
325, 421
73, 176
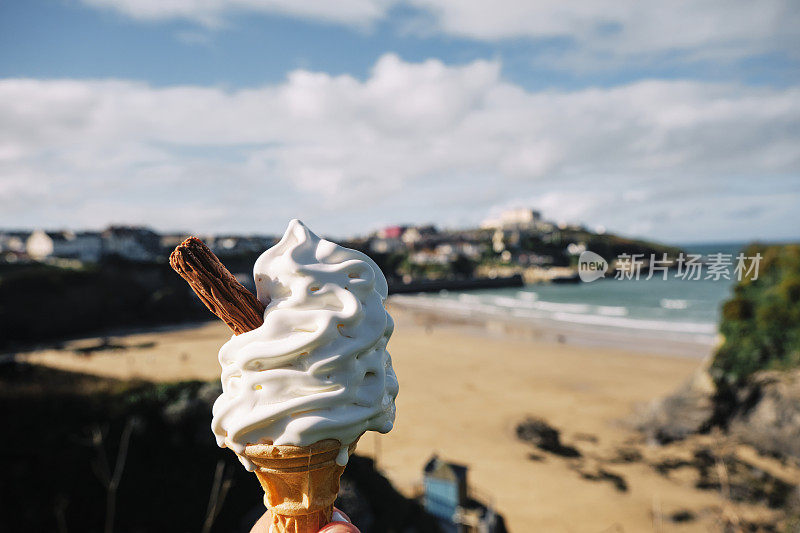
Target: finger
339, 527
340, 516
262, 525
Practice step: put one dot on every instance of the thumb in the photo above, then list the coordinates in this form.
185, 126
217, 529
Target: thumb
339, 527
339, 524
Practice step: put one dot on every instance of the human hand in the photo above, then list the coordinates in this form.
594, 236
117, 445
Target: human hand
340, 524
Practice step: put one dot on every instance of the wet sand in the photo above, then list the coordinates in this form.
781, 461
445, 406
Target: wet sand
462, 392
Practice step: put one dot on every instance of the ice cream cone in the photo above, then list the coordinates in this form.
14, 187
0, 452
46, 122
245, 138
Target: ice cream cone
300, 482
310, 367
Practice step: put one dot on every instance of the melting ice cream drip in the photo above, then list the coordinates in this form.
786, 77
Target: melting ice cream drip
318, 367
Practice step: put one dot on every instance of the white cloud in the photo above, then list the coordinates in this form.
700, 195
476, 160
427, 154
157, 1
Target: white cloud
412, 142
627, 25
212, 12
596, 33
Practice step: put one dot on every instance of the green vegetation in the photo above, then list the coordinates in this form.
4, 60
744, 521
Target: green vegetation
610, 246
761, 323
424, 270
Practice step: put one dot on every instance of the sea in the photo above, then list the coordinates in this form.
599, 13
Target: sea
672, 307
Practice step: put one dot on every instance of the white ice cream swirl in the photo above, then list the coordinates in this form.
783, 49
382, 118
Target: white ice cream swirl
318, 367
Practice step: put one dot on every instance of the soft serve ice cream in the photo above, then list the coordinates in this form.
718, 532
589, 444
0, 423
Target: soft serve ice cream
318, 367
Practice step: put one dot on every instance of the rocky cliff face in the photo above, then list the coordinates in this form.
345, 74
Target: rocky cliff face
764, 412
768, 413
689, 410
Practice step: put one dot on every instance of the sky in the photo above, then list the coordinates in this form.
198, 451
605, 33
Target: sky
676, 121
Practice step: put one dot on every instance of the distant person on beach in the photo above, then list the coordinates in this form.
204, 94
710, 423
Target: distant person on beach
341, 524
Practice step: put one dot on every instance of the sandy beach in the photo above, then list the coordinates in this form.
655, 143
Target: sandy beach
463, 390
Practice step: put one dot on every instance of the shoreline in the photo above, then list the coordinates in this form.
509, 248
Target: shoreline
499, 324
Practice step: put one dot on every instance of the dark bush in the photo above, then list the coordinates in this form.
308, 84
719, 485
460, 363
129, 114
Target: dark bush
44, 303
761, 322
65, 431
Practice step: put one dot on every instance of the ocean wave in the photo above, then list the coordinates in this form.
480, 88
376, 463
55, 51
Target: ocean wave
667, 303
517, 303
597, 315
561, 307
638, 323
612, 310
505, 301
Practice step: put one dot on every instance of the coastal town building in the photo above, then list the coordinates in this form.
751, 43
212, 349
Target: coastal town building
416, 234
133, 243
393, 238
13, 241
170, 240
12, 246
429, 257
391, 232
503, 240
222, 245
84, 246
237, 245
520, 218
385, 245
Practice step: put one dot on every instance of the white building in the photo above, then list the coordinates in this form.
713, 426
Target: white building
427, 257
505, 239
132, 243
514, 219
384, 246
85, 246
415, 234
13, 241
233, 245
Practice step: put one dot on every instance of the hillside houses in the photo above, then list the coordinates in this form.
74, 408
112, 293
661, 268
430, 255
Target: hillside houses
84, 246
231, 245
131, 242
517, 240
127, 242
12, 243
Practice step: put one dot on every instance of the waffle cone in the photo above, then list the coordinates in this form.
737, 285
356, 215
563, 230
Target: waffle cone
300, 483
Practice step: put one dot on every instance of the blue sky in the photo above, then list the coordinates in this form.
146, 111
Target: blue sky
676, 122
62, 38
